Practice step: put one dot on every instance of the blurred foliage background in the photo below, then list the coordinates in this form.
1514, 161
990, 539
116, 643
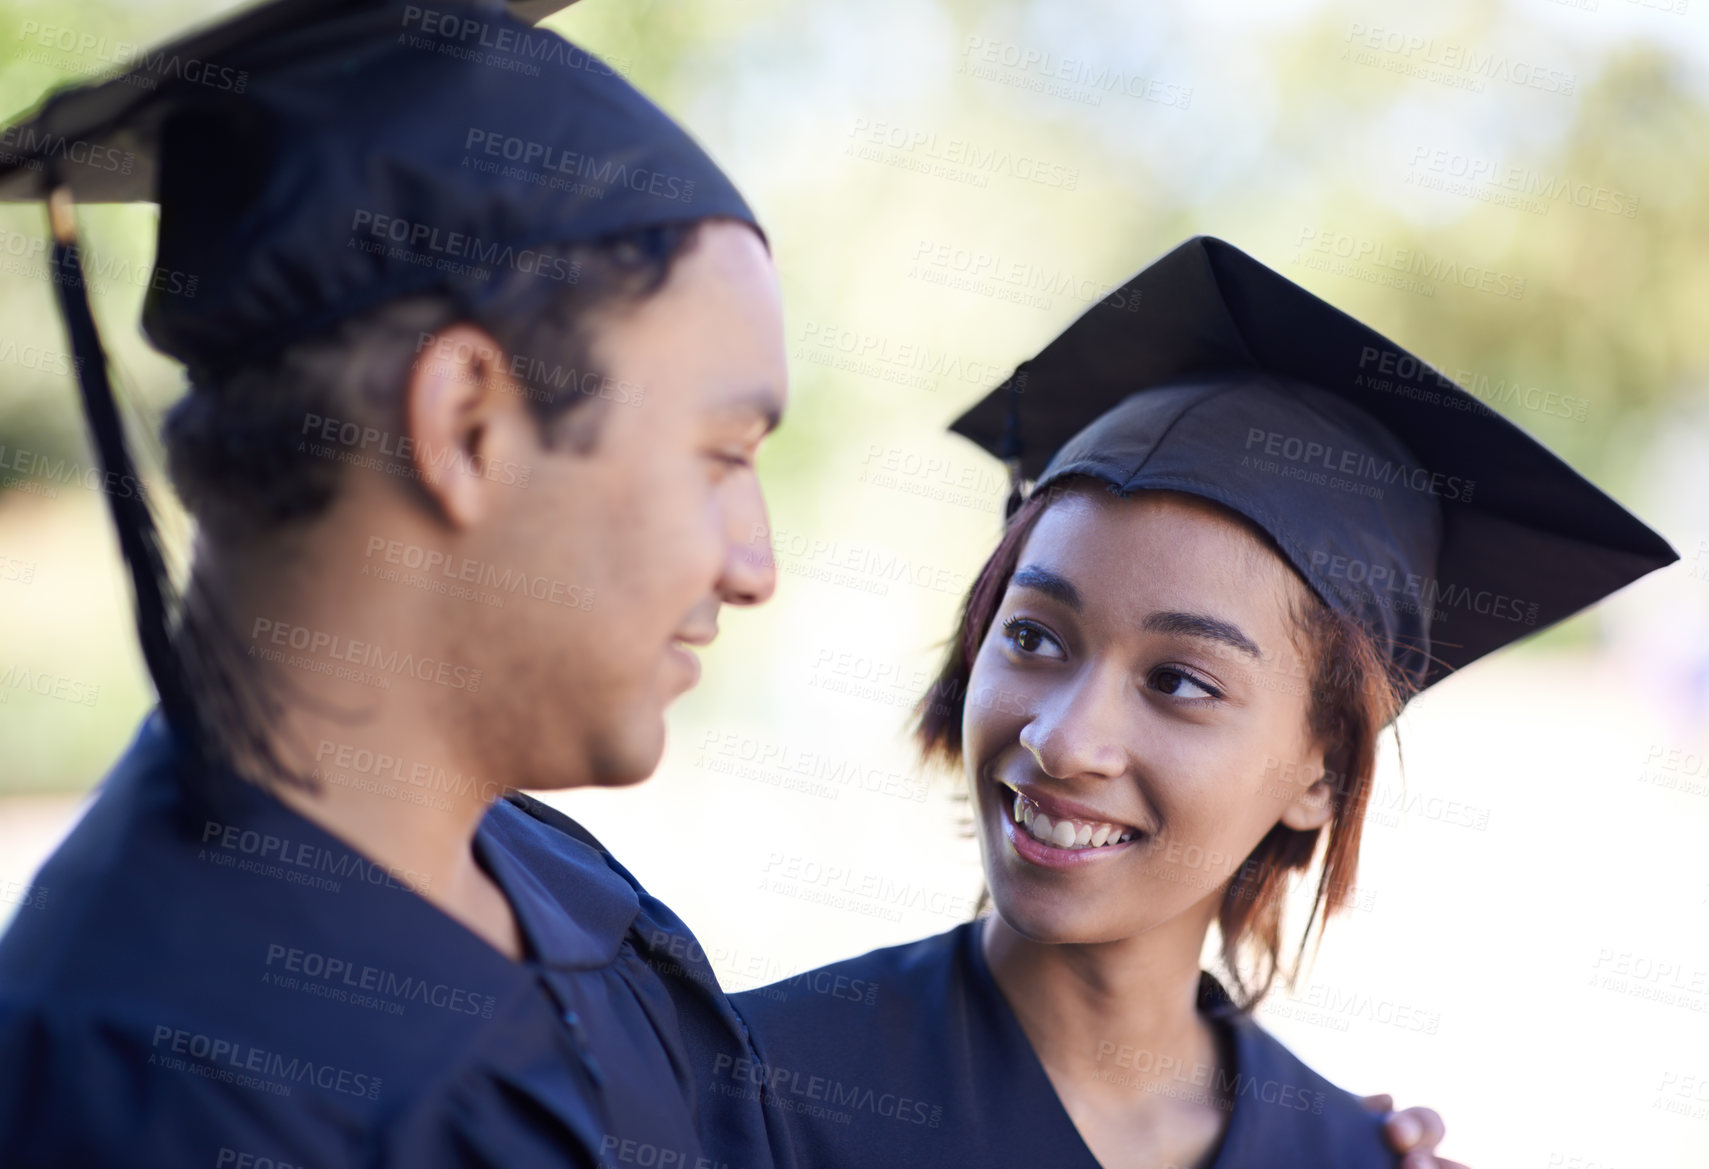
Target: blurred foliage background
945, 185
890, 144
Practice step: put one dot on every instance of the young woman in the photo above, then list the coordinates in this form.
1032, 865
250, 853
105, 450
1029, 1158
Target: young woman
1165, 692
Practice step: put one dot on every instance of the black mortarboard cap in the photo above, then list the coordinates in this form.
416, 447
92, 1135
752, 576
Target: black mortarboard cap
1404, 502
315, 158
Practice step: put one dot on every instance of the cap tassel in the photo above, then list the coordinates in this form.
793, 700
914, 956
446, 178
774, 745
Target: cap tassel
139, 538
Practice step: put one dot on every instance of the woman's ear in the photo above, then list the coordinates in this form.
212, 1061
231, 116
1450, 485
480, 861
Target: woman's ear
1311, 808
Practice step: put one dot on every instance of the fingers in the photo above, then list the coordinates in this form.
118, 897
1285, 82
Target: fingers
1379, 1103
1415, 1133
1422, 1160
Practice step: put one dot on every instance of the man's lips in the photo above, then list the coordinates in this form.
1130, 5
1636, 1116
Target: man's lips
679, 651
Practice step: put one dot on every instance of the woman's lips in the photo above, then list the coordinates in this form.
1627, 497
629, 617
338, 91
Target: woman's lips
1060, 842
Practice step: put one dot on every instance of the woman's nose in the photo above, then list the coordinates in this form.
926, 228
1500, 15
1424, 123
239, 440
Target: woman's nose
1082, 730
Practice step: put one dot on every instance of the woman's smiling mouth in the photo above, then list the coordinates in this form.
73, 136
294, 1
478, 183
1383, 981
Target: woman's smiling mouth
1059, 841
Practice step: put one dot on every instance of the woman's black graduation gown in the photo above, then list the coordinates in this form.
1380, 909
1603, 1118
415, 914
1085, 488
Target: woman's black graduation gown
248, 991
911, 1056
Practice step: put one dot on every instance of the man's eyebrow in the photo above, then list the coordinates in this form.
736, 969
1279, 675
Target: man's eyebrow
1199, 625
1042, 580
762, 403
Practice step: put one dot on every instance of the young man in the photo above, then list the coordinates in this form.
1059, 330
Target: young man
481, 349
366, 955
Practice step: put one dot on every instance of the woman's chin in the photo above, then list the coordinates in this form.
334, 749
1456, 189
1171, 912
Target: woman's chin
1039, 920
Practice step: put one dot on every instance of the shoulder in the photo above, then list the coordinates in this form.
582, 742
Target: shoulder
115, 877
1281, 1105
868, 1001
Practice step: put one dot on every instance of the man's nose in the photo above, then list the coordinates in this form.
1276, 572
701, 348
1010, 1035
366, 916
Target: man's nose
750, 568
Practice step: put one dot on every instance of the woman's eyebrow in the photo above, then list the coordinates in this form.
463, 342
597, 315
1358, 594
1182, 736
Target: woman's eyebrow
1199, 625
1042, 580
1060, 589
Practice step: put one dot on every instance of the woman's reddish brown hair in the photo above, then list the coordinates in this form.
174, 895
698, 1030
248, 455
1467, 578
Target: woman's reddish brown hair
1353, 695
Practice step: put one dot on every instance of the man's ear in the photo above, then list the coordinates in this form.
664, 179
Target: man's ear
467, 420
1312, 806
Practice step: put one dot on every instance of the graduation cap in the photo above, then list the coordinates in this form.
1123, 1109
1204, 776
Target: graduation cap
315, 158
1402, 500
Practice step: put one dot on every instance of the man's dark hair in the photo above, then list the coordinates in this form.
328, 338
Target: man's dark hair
235, 450
238, 454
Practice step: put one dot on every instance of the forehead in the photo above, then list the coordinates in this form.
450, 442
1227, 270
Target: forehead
1151, 551
707, 347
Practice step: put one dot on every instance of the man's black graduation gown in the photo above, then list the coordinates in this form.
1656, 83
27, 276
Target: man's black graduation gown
190, 991
911, 1056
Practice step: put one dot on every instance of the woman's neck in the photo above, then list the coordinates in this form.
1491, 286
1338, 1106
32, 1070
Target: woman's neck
1117, 1028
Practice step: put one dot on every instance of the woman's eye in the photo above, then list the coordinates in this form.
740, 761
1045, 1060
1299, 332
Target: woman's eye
1030, 639
1178, 684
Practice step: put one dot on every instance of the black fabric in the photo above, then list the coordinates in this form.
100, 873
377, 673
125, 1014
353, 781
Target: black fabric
1401, 499
331, 156
150, 943
911, 1056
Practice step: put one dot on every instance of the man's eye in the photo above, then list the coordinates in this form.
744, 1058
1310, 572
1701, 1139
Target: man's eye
1028, 638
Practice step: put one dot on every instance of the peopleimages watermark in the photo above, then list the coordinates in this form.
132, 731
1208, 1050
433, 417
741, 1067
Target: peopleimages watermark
1343, 254
393, 769
793, 1087
811, 771
463, 570
40, 474
230, 1158
911, 364
1404, 592
871, 894
230, 1061
22, 254
551, 166
317, 650
454, 252
1002, 278
1676, 768
502, 46
14, 569
46, 684
297, 862
347, 980
1070, 78
1448, 63
951, 157
1392, 371
149, 65
27, 145
1168, 1075
396, 454
538, 381
1520, 187
1313, 454
862, 567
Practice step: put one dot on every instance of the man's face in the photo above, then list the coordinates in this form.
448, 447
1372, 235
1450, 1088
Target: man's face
654, 525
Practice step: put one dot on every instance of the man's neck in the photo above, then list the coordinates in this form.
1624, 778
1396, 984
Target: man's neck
394, 775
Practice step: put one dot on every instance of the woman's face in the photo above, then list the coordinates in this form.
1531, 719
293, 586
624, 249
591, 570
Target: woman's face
1136, 717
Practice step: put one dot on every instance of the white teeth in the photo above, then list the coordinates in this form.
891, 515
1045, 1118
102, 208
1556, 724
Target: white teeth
1074, 835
